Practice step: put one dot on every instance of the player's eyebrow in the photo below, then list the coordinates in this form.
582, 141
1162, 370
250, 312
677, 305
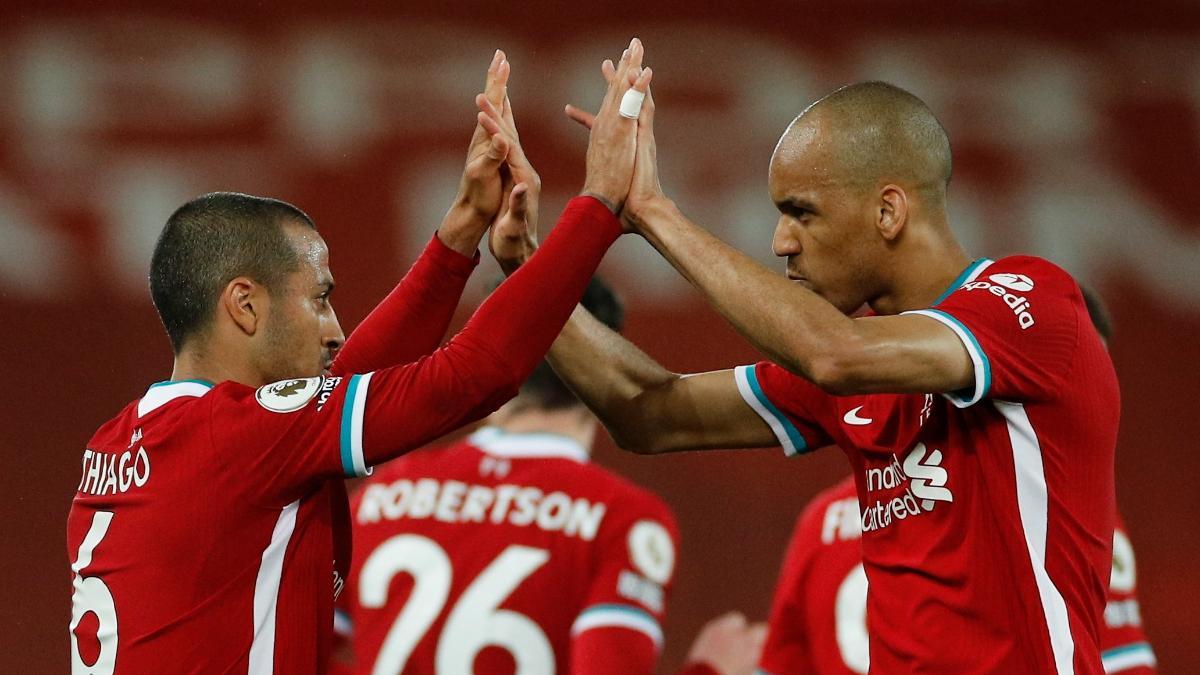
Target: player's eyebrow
795, 205
327, 284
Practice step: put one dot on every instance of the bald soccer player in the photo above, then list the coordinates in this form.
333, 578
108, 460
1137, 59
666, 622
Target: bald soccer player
976, 406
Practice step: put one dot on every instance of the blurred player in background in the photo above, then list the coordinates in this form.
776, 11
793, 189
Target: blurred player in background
205, 530
979, 418
510, 551
818, 617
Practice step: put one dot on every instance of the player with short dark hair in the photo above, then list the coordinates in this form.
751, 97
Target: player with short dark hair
207, 533
976, 405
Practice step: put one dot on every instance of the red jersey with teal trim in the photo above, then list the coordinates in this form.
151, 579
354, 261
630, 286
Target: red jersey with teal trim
987, 513
507, 553
246, 585
818, 616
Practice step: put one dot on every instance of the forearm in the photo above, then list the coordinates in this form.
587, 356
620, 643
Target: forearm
788, 323
484, 365
412, 320
610, 375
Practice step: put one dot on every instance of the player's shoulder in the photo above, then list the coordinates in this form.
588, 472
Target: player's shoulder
624, 494
815, 513
1024, 273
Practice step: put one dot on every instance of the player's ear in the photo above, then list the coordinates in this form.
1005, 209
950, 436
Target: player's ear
243, 301
893, 211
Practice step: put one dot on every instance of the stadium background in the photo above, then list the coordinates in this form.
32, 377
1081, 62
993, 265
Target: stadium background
1076, 130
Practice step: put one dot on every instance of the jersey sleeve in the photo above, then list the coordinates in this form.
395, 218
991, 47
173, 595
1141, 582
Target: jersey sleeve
786, 649
797, 410
1019, 321
412, 320
1124, 646
619, 629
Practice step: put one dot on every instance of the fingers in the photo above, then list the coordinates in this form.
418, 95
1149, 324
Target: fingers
489, 123
608, 70
497, 80
631, 61
498, 149
581, 116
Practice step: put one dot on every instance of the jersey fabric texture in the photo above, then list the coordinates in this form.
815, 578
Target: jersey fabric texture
519, 530
987, 514
818, 615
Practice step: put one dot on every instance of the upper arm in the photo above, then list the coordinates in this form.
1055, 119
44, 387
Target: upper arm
908, 353
701, 411
1003, 335
626, 600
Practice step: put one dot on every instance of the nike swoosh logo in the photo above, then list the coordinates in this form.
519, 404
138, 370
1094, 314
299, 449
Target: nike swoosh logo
853, 418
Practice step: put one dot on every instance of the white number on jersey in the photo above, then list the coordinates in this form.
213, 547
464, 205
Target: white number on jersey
473, 624
91, 595
850, 619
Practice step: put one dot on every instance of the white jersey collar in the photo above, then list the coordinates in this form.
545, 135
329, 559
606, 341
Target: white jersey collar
495, 441
161, 393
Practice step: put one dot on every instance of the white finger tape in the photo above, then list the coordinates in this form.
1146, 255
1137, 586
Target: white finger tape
631, 103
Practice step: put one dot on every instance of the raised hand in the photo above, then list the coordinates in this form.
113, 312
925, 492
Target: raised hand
612, 144
645, 188
514, 232
481, 191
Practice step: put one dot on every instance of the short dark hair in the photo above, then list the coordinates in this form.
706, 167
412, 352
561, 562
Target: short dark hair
543, 389
210, 241
1098, 312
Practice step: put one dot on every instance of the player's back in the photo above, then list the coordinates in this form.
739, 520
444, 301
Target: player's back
178, 555
489, 555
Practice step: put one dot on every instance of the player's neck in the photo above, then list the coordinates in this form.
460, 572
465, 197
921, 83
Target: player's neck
201, 364
573, 423
921, 273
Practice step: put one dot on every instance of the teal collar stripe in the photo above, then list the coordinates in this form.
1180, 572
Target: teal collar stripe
793, 433
167, 383
962, 279
347, 451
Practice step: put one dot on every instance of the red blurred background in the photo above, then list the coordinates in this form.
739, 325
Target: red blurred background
1075, 132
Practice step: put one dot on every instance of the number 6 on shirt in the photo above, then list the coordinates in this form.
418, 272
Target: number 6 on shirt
92, 595
473, 624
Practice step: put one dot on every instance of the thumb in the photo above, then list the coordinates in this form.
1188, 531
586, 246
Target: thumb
497, 150
518, 202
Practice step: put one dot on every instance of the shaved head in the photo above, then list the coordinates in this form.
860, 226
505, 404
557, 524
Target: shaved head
874, 132
859, 179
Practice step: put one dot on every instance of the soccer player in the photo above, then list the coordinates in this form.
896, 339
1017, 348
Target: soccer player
512, 539
979, 417
203, 532
510, 548
818, 616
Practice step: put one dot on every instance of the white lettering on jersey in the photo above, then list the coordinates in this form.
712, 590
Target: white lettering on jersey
633, 586
841, 521
926, 479
109, 474
999, 286
453, 501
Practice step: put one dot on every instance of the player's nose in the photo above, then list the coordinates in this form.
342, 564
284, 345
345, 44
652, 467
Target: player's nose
784, 243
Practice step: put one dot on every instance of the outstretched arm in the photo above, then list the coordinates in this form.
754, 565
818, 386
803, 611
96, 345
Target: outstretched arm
412, 320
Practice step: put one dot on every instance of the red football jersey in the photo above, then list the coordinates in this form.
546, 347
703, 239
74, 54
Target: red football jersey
987, 513
507, 553
203, 529
818, 616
